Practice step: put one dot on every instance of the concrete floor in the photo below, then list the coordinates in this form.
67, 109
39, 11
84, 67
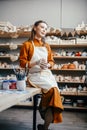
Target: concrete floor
21, 119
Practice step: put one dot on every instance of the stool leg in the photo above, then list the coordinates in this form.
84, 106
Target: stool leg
35, 99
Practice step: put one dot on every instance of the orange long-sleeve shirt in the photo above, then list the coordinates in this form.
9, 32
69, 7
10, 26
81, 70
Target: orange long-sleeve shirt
27, 51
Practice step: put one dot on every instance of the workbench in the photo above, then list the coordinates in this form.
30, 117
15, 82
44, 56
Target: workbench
9, 98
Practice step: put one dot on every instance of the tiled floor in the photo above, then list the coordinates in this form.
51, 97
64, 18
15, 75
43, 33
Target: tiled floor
21, 119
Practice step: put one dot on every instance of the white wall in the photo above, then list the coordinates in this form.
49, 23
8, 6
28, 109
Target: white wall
22, 12
57, 13
73, 12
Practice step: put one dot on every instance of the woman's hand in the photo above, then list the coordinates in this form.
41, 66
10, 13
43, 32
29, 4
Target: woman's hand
42, 63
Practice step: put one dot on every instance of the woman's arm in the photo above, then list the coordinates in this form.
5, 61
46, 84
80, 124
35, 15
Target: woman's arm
26, 53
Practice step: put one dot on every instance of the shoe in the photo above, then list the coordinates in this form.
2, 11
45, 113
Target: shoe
40, 127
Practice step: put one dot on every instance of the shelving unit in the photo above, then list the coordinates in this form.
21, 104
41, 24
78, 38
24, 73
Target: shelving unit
6, 63
73, 97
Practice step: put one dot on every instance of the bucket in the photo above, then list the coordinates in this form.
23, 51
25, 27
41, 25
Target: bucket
21, 85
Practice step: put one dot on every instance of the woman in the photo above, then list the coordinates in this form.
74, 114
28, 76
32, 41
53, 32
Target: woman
37, 54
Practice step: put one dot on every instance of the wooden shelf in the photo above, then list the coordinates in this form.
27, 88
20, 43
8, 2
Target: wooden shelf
56, 57
68, 46
79, 94
69, 57
7, 45
72, 107
6, 68
4, 45
12, 35
55, 69
4, 56
74, 82
56, 45
22, 33
68, 70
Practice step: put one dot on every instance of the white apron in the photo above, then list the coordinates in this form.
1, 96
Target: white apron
42, 78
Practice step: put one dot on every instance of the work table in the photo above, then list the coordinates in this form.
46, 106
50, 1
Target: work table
9, 98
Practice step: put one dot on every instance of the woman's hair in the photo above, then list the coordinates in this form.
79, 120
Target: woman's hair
31, 38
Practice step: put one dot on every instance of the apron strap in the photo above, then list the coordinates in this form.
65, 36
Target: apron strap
33, 43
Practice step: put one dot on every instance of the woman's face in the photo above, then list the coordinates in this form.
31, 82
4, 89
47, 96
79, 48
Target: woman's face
40, 30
